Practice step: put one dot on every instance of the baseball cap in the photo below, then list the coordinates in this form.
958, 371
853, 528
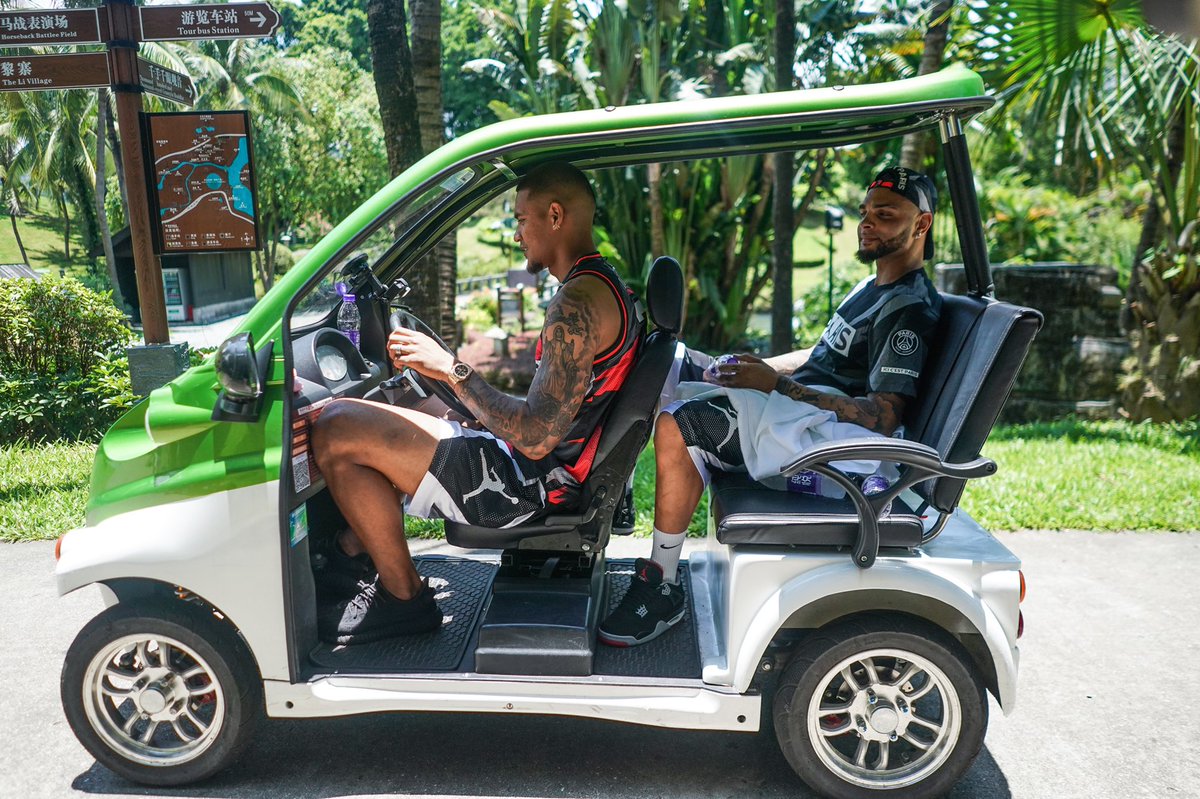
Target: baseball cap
915, 187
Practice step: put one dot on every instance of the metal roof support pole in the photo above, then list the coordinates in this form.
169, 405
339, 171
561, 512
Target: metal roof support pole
966, 207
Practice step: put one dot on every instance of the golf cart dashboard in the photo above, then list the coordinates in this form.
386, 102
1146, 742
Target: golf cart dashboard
327, 359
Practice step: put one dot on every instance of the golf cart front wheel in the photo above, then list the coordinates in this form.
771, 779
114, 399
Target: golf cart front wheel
162, 695
880, 707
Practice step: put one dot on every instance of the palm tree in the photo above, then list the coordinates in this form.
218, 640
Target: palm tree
1120, 92
916, 145
427, 82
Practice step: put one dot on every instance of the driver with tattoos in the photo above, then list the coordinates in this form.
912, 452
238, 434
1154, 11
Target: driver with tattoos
382, 462
855, 381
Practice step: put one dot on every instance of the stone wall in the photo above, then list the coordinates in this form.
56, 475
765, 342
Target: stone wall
1075, 360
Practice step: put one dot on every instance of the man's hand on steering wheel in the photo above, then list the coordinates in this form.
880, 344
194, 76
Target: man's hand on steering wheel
419, 352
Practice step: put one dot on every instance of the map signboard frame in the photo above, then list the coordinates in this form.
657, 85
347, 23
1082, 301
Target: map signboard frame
168, 136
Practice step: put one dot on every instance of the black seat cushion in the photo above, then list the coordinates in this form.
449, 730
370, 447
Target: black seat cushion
747, 512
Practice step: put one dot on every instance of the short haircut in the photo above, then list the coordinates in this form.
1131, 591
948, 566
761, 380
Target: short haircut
557, 181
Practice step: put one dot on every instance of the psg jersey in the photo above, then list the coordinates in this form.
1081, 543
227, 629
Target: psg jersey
877, 340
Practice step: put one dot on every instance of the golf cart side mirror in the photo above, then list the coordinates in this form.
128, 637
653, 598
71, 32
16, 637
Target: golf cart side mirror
242, 373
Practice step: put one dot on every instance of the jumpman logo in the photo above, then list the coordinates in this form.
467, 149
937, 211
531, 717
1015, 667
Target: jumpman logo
732, 423
490, 482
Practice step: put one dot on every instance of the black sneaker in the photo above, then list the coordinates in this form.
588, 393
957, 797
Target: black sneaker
375, 614
338, 576
624, 516
648, 610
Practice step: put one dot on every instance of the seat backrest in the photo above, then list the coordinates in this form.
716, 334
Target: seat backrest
629, 422
976, 353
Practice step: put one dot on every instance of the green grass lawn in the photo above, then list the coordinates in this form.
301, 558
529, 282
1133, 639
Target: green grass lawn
43, 489
41, 232
1090, 476
1102, 476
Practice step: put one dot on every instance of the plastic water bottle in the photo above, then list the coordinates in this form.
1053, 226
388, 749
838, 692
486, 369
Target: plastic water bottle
719, 361
348, 319
877, 484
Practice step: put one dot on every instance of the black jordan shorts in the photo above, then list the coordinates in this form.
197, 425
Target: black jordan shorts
710, 431
474, 479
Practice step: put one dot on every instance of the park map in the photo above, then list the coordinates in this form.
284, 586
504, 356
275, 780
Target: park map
204, 182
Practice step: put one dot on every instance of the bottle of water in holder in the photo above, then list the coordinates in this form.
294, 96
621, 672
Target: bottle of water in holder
348, 319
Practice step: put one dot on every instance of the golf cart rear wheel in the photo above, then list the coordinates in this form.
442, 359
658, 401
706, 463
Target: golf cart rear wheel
880, 706
161, 695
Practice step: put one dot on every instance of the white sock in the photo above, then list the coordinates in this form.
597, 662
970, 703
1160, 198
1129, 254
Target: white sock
666, 550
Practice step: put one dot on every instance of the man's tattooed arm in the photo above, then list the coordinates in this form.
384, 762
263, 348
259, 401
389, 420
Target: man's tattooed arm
881, 412
571, 338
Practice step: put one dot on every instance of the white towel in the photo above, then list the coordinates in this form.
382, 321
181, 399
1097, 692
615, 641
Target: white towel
776, 429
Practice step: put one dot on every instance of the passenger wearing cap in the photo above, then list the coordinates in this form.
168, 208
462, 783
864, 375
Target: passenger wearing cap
762, 414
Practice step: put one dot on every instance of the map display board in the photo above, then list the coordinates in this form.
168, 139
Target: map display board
203, 194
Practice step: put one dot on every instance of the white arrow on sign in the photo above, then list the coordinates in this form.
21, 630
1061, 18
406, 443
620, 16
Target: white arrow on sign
257, 18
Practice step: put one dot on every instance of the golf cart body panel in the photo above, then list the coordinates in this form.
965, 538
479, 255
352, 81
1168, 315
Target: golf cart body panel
964, 581
223, 548
193, 517
172, 432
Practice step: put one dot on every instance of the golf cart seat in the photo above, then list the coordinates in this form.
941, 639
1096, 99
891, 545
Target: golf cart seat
976, 353
626, 429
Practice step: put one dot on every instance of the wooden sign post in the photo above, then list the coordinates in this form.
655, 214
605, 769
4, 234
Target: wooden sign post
122, 26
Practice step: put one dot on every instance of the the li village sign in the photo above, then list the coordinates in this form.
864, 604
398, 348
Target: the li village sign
121, 26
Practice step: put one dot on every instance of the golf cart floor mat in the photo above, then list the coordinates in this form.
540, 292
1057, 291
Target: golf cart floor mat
461, 586
675, 653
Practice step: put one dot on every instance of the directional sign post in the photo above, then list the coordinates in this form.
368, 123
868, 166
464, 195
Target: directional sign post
167, 83
31, 73
228, 21
122, 26
37, 28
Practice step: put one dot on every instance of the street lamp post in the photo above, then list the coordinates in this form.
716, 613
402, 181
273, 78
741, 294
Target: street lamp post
833, 221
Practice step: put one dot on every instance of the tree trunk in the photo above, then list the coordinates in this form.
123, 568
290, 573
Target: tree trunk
392, 65
1162, 313
59, 192
12, 216
427, 82
658, 236
1152, 222
110, 259
916, 147
114, 147
785, 171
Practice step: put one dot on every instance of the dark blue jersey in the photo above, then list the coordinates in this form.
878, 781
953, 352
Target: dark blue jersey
877, 340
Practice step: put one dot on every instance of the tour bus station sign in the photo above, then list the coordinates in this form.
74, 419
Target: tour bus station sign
35, 28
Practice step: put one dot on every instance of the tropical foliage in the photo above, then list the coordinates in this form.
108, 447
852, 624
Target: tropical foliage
1119, 95
1090, 155
62, 361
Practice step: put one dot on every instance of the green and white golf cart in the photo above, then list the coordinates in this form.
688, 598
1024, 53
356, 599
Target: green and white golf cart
867, 636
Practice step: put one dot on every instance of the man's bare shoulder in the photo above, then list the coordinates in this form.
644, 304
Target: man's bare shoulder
587, 310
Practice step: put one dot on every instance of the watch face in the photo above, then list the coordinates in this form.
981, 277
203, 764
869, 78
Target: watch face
461, 371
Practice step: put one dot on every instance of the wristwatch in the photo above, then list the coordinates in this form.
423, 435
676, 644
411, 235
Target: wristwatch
459, 372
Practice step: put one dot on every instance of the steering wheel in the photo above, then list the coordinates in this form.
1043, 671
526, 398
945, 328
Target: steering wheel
437, 388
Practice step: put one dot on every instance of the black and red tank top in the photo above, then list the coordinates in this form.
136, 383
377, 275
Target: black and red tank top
570, 462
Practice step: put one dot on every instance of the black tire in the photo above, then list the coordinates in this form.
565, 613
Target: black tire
161, 694
895, 715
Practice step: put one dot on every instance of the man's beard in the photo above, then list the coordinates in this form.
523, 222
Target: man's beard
533, 267
886, 247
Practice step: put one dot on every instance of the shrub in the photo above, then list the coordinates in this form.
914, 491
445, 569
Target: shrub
63, 370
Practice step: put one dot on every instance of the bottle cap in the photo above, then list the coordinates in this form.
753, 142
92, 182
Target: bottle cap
342, 291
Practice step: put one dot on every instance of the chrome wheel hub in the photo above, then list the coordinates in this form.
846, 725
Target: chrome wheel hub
153, 700
884, 719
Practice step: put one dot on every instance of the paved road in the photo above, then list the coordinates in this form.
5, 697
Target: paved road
1105, 707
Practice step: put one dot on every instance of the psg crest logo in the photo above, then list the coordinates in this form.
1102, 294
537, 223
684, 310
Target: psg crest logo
905, 342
